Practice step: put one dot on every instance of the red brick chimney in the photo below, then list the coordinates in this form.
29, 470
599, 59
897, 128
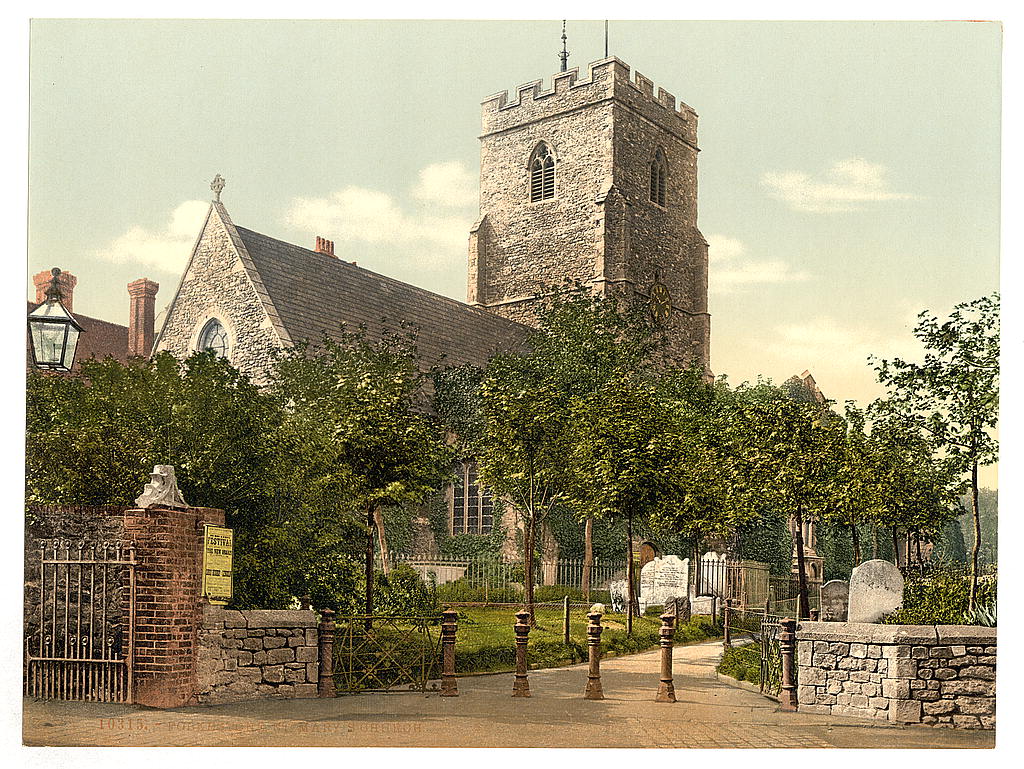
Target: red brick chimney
324, 246
66, 282
141, 316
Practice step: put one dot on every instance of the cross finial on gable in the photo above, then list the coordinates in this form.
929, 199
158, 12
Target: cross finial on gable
217, 185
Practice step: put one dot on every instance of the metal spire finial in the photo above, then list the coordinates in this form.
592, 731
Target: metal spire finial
53, 290
564, 55
217, 185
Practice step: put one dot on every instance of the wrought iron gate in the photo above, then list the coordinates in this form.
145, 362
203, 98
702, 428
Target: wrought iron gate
771, 655
384, 653
79, 639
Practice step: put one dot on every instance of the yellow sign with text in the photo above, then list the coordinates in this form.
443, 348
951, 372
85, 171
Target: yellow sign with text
218, 549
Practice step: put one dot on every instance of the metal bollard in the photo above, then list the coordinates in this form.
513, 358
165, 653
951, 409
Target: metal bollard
594, 690
521, 687
727, 617
325, 632
449, 626
787, 648
666, 690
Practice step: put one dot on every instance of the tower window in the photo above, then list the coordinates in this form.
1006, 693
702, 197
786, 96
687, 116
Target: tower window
542, 174
659, 173
214, 338
472, 507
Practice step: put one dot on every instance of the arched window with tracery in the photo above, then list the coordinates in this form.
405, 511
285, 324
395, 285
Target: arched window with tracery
542, 174
659, 179
213, 337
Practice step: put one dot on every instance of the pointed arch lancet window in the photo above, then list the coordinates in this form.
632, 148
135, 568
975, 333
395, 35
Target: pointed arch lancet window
542, 174
213, 337
659, 174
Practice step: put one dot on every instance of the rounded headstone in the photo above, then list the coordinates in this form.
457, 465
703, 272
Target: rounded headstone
876, 589
835, 597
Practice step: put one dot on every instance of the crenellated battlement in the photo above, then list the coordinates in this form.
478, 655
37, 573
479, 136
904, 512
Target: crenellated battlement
606, 78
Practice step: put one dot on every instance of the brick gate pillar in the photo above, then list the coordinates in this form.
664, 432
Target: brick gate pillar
168, 605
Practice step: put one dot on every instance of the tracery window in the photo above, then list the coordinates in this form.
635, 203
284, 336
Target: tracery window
214, 337
472, 506
542, 174
659, 174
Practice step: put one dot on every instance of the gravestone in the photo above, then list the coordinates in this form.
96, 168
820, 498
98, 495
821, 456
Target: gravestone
617, 593
876, 589
713, 573
662, 578
835, 599
704, 604
680, 607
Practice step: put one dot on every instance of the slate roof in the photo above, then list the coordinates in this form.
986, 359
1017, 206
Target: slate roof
316, 294
99, 339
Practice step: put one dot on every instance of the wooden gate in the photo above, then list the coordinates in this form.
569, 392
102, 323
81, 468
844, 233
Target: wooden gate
79, 638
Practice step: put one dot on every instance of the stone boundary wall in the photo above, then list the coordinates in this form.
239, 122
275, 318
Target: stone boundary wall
944, 675
257, 654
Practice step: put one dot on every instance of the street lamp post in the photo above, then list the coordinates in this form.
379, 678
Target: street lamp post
53, 331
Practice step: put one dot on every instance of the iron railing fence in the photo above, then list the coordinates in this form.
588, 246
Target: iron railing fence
495, 579
386, 652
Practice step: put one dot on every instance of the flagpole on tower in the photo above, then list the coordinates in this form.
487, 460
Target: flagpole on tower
606, 38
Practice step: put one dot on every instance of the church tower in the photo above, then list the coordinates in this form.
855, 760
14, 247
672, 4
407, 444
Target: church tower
593, 180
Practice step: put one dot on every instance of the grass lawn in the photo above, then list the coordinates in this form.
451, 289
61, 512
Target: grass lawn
486, 642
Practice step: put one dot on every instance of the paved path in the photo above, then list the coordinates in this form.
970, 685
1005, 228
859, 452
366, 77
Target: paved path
709, 714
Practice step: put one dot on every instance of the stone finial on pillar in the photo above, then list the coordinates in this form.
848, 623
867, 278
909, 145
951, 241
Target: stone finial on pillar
162, 490
325, 636
787, 649
666, 689
449, 628
594, 690
521, 687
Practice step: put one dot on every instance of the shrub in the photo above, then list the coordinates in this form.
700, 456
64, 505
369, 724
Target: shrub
742, 663
403, 593
942, 598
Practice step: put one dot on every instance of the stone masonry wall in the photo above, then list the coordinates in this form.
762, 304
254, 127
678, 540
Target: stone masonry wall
944, 675
257, 654
218, 285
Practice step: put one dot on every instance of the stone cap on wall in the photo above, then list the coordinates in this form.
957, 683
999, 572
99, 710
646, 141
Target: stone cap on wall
218, 616
866, 632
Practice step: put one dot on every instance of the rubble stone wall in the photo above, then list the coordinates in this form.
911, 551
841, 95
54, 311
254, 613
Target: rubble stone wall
943, 675
257, 654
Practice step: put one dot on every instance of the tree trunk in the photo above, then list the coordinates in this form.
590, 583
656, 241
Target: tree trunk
378, 522
856, 545
917, 546
895, 547
800, 569
874, 540
369, 567
528, 548
976, 548
629, 574
588, 557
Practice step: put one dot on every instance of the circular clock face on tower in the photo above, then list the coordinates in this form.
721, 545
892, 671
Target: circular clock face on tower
661, 303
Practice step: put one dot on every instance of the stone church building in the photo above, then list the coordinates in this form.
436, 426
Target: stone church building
593, 180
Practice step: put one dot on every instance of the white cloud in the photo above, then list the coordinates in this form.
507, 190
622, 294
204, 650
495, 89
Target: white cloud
426, 237
730, 273
846, 186
447, 184
165, 249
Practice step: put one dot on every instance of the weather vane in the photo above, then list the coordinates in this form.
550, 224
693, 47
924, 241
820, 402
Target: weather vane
217, 185
564, 55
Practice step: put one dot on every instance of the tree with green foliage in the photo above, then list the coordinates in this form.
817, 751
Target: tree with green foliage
792, 452
92, 439
623, 447
953, 394
354, 410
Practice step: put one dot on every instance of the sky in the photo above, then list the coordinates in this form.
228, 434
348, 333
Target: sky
849, 174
